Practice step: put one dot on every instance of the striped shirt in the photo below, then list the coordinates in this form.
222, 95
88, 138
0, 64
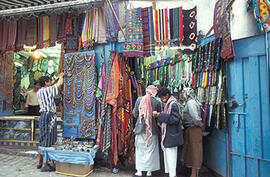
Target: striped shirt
45, 97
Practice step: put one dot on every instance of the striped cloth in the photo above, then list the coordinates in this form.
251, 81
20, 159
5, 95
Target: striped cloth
43, 31
148, 31
46, 98
89, 27
31, 32
161, 26
48, 129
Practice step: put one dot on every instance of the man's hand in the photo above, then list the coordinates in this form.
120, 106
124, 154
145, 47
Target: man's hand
155, 114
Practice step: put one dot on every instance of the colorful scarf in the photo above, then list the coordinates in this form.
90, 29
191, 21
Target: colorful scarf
134, 44
167, 110
148, 32
222, 29
190, 29
89, 28
21, 34
112, 27
145, 110
43, 31
31, 32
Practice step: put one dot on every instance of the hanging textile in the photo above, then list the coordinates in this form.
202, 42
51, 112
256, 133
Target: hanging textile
101, 25
4, 34
134, 44
12, 34
79, 95
89, 28
43, 32
72, 43
6, 82
176, 24
105, 119
122, 19
112, 27
190, 29
20, 34
31, 37
61, 30
222, 29
161, 26
53, 29
148, 32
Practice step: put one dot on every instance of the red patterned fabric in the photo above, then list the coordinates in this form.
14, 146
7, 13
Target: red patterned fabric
222, 30
21, 34
31, 32
12, 34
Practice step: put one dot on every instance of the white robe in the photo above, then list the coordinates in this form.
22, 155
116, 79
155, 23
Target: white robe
147, 158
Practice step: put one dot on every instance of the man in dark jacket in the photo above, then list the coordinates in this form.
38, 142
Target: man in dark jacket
172, 135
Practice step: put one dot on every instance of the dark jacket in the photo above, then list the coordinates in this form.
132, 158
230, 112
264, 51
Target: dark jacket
174, 133
156, 106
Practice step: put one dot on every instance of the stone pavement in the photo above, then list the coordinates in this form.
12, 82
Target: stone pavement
23, 164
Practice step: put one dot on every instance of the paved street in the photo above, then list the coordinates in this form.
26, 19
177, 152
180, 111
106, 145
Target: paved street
23, 164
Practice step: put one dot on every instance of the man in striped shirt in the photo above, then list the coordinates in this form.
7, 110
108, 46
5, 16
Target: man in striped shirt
47, 122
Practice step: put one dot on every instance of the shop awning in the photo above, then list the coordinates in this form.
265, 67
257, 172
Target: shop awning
22, 8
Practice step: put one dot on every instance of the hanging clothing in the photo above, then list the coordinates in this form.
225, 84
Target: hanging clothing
21, 35
43, 31
12, 34
53, 29
89, 27
101, 25
134, 44
176, 24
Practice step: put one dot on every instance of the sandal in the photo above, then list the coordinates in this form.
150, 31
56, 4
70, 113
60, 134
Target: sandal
39, 166
47, 169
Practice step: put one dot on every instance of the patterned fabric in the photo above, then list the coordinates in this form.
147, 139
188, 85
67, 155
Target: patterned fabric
31, 32
134, 43
6, 81
264, 14
61, 33
47, 129
43, 31
176, 24
190, 29
222, 29
148, 32
112, 27
79, 95
72, 39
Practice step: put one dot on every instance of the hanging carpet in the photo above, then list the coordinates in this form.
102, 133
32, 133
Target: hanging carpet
148, 32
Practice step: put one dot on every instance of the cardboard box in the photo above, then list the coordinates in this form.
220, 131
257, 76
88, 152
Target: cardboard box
73, 169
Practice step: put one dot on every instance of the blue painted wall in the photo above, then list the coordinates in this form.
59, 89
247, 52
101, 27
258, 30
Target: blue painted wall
244, 151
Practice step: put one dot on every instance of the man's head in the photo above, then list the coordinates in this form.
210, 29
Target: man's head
164, 93
36, 85
45, 81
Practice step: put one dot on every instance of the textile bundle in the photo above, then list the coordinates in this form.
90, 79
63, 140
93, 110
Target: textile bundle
116, 122
148, 32
6, 81
134, 32
222, 29
79, 95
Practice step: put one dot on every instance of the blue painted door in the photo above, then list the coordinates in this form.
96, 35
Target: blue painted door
249, 118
